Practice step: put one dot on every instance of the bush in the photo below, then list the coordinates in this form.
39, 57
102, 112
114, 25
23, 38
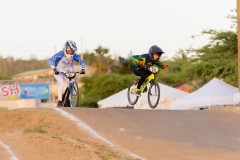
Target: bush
100, 86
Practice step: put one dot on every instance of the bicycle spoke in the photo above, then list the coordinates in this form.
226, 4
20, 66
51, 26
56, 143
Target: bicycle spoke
132, 99
153, 95
74, 94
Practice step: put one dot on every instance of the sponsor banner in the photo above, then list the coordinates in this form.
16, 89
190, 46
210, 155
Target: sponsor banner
40, 91
9, 92
25, 91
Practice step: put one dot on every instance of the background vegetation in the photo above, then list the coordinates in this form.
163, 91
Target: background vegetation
10, 66
217, 58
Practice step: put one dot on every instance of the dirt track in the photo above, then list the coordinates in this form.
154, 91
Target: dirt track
151, 134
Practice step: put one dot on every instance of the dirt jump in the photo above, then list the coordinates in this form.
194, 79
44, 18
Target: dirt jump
84, 133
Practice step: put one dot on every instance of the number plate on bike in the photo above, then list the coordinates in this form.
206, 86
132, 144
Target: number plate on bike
153, 69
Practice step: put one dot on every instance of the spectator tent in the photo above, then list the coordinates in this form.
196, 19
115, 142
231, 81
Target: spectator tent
214, 93
168, 95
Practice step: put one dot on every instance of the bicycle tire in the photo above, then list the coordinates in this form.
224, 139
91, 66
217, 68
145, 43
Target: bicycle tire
74, 94
66, 102
133, 100
156, 89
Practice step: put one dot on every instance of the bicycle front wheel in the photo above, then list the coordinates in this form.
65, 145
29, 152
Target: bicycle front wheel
153, 95
74, 94
132, 99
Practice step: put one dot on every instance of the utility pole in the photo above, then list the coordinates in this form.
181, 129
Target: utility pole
55, 49
82, 47
238, 33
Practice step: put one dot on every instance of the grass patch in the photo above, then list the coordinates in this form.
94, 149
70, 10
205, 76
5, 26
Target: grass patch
3, 108
57, 137
105, 153
38, 130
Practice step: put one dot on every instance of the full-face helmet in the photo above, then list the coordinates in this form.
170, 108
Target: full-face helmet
70, 45
155, 49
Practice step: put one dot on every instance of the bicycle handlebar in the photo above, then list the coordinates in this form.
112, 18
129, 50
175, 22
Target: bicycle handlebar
70, 72
70, 75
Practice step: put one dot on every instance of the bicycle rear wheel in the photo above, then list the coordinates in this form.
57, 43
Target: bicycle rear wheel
153, 95
132, 99
74, 94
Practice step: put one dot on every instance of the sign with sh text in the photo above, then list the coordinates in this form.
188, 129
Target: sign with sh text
9, 92
24, 91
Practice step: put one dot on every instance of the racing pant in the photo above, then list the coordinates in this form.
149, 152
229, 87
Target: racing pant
138, 71
61, 80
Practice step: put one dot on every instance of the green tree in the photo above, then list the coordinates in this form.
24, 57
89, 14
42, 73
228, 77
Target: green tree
101, 51
123, 67
216, 59
103, 61
177, 69
18, 66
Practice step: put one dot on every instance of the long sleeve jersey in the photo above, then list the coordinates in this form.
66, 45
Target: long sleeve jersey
144, 57
62, 63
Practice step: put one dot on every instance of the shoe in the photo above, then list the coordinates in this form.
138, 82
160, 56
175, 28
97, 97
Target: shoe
137, 92
60, 104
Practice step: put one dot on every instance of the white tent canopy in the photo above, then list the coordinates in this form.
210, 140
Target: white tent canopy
214, 93
167, 95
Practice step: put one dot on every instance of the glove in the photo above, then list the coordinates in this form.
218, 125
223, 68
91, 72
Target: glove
141, 63
82, 71
165, 65
56, 71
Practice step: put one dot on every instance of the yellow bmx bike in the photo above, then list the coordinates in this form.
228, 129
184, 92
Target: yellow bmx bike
153, 91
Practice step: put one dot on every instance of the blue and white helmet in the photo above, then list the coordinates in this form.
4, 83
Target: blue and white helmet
70, 45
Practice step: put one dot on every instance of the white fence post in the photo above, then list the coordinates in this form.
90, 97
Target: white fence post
236, 98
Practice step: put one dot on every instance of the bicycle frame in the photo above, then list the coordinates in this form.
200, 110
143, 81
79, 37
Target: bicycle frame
153, 92
69, 76
148, 80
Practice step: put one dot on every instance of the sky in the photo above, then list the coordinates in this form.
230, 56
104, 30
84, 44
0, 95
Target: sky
39, 28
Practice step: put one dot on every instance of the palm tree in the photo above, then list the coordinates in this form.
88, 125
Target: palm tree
104, 62
101, 51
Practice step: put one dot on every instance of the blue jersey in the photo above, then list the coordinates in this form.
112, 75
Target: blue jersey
62, 63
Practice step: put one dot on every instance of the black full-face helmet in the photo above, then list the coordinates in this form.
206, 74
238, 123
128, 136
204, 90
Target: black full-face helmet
155, 49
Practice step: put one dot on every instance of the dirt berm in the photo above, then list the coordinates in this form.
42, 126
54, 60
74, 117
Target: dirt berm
150, 134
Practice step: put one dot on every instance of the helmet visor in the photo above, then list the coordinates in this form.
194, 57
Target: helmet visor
159, 53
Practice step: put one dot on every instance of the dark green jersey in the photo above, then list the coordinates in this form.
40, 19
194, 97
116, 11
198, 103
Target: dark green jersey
145, 57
